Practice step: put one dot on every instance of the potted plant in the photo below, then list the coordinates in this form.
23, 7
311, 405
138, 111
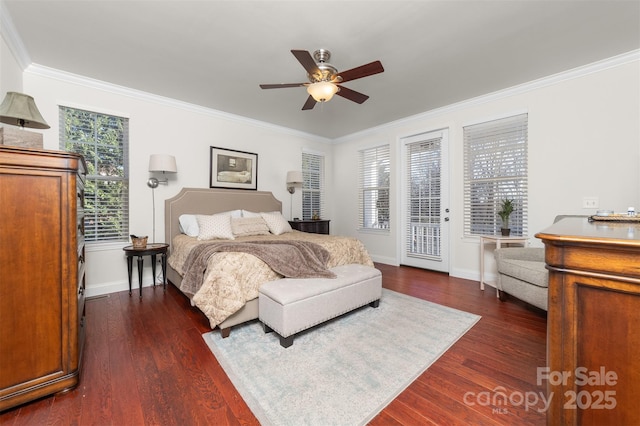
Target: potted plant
507, 209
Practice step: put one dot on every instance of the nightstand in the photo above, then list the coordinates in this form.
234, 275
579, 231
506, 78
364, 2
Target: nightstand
150, 250
319, 226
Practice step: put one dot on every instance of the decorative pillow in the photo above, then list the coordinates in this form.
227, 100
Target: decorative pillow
233, 213
188, 224
247, 213
245, 226
214, 226
276, 222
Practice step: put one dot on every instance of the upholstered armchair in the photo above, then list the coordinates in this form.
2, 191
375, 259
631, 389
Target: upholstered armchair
522, 274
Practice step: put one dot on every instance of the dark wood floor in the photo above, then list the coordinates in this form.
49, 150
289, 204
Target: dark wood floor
145, 363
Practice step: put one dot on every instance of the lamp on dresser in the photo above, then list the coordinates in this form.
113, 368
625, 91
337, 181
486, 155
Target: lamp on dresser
159, 163
294, 180
20, 110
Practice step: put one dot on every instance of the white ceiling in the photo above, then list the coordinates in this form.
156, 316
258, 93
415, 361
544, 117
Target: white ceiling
216, 53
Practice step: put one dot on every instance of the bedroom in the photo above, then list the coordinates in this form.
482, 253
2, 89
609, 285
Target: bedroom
566, 162
561, 148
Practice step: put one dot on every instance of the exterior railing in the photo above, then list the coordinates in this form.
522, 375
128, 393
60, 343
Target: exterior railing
425, 239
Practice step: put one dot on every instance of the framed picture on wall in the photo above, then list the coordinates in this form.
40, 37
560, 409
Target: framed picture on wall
233, 169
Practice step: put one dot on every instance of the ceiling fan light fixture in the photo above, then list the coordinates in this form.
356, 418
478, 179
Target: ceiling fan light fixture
322, 91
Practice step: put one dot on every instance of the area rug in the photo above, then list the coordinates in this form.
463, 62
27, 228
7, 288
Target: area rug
343, 372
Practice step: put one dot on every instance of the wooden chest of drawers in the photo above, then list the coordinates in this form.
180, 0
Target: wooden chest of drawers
42, 273
593, 344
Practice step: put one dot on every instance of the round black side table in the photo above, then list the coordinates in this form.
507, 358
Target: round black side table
150, 250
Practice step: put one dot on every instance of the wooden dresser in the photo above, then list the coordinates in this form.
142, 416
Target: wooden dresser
42, 273
593, 332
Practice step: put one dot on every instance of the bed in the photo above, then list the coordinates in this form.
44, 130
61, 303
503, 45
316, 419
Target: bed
229, 293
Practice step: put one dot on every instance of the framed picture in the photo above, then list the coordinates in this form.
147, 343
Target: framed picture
233, 169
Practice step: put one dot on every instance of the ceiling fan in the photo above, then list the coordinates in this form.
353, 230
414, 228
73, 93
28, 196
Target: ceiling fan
325, 80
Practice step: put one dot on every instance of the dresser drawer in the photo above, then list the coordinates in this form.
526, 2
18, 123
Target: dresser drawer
81, 284
81, 267
80, 232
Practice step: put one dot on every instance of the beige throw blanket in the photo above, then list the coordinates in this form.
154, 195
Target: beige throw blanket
291, 259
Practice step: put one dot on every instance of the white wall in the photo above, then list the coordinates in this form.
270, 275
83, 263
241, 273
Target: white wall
584, 140
10, 70
162, 126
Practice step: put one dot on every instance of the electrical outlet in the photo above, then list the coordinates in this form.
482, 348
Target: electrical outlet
589, 202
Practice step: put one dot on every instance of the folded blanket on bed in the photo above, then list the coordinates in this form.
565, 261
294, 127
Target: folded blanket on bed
291, 259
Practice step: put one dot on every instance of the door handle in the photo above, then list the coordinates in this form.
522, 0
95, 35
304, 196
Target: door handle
446, 219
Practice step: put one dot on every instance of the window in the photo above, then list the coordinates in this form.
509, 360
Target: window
375, 169
313, 185
103, 140
495, 168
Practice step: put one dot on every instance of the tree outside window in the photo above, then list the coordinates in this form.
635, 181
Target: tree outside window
103, 141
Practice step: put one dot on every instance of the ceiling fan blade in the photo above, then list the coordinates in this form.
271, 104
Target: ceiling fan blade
361, 71
352, 95
281, 86
309, 104
306, 60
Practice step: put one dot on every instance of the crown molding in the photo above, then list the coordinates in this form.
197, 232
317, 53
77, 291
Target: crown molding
14, 42
553, 79
42, 71
12, 38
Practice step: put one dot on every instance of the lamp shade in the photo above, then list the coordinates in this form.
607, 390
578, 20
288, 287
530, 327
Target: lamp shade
294, 178
21, 110
322, 91
162, 163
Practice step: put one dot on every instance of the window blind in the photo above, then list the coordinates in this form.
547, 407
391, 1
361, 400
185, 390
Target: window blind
495, 168
313, 185
374, 180
103, 140
423, 191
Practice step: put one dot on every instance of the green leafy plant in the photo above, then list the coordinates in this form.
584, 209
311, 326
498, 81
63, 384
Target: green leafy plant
507, 209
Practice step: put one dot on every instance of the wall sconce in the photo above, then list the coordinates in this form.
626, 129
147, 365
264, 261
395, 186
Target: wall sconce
21, 110
159, 163
294, 180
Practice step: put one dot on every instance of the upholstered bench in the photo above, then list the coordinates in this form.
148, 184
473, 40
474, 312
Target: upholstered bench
290, 305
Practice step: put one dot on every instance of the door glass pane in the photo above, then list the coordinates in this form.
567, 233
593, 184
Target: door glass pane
424, 180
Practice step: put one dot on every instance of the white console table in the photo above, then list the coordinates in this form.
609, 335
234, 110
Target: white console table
498, 240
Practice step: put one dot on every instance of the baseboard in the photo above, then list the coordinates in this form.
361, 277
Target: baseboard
386, 260
115, 287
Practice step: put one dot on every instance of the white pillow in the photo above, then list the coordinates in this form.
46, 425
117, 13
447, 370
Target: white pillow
276, 222
247, 213
188, 224
214, 226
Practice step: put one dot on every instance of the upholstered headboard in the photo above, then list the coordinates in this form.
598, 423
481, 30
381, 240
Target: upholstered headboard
214, 200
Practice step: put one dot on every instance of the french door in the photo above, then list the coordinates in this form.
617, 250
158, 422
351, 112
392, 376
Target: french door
425, 201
